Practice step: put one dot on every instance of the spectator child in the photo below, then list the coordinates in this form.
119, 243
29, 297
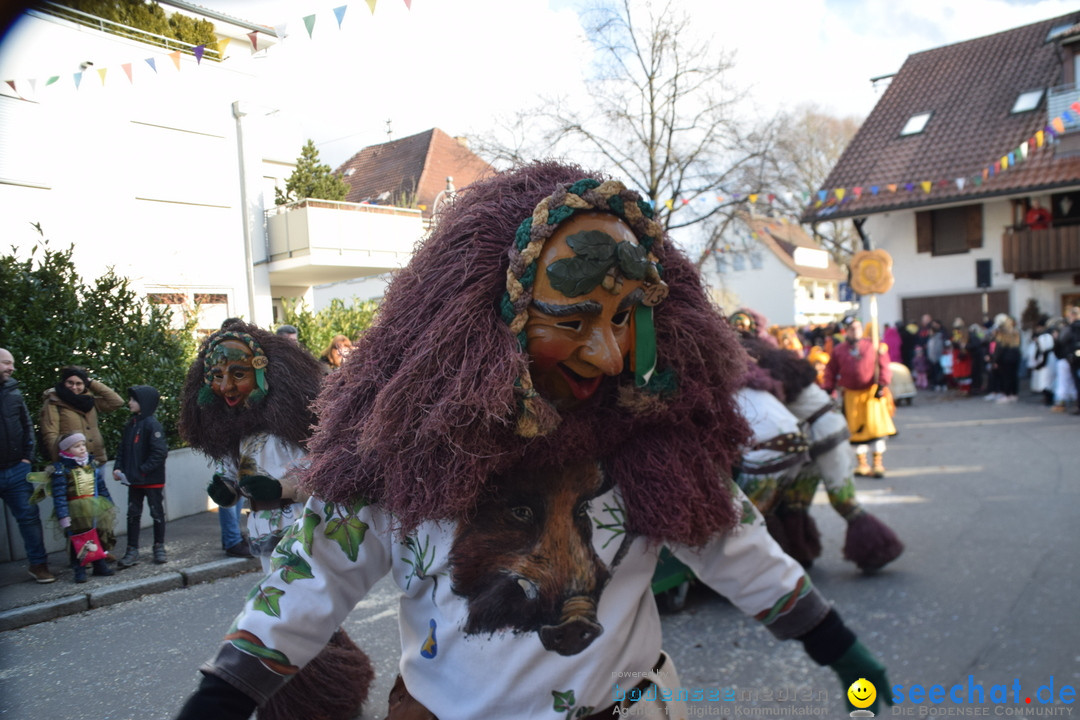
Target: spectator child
140, 464
81, 500
921, 366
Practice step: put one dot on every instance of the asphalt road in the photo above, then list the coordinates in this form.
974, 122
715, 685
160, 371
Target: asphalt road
985, 496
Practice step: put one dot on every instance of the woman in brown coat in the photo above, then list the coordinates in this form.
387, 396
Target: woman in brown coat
72, 406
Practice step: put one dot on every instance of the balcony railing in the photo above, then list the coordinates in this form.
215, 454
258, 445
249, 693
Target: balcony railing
1033, 252
1058, 100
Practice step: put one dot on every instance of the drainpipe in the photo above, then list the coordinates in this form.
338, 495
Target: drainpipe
858, 223
249, 262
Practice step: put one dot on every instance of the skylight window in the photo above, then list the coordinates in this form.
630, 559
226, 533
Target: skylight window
1027, 101
1058, 30
916, 124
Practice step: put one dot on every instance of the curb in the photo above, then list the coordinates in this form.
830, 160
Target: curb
103, 597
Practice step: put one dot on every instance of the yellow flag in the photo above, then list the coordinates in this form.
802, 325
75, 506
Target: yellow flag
753, 197
222, 43
669, 203
926, 185
101, 72
371, 4
1004, 162
840, 192
1039, 138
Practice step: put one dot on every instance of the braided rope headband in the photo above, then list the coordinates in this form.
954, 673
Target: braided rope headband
584, 196
216, 353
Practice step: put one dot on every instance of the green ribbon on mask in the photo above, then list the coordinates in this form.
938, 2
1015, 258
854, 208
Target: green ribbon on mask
644, 345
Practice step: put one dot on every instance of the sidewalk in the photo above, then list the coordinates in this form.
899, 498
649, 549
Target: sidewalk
195, 556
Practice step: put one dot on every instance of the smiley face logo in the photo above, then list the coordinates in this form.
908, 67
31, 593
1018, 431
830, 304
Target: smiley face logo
862, 693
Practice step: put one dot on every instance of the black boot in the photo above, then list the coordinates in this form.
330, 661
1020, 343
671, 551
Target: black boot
131, 557
159, 554
102, 569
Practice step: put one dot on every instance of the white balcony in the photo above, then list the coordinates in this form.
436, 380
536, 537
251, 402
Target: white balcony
315, 242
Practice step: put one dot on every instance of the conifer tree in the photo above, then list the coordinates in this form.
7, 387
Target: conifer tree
311, 179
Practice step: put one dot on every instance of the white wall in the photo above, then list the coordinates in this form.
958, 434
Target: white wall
141, 176
770, 289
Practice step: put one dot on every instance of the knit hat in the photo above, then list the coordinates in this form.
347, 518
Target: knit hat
68, 440
66, 372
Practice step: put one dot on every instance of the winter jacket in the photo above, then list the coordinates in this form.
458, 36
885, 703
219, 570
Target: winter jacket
16, 429
143, 448
58, 419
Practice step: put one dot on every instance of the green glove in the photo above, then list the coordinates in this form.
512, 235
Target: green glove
260, 487
859, 664
221, 491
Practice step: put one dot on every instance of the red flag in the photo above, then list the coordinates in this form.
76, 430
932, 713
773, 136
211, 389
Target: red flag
127, 71
253, 36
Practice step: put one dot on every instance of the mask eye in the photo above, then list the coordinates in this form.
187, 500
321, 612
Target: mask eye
522, 512
621, 318
574, 325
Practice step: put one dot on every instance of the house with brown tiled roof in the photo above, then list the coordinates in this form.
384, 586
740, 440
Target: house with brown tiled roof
415, 171
964, 142
772, 265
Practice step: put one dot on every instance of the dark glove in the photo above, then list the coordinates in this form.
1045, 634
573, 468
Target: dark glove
858, 663
221, 492
217, 699
260, 487
880, 392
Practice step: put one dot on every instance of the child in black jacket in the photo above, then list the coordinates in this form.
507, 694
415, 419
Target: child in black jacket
140, 464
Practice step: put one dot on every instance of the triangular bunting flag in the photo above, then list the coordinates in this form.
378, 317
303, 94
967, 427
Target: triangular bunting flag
78, 79
909, 187
371, 4
127, 71
253, 36
1022, 151
669, 203
151, 63
1005, 162
926, 185
1076, 107
51, 80
309, 23
839, 192
408, 4
771, 197
821, 195
175, 55
339, 13
222, 43
874, 190
1058, 125
282, 31
979, 179
753, 197
892, 187
857, 191
960, 183
33, 84
199, 50
101, 73
12, 84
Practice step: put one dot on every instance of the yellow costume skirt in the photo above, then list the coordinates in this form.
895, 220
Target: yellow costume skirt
868, 418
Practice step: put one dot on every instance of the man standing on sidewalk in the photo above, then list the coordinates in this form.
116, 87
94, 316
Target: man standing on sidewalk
16, 453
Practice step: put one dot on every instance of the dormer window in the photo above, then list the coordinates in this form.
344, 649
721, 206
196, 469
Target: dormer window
916, 124
1027, 101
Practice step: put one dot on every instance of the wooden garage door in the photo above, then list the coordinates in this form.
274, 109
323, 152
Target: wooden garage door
946, 308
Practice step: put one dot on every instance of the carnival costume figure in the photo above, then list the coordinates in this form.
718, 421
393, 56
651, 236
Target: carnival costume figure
247, 405
869, 542
546, 398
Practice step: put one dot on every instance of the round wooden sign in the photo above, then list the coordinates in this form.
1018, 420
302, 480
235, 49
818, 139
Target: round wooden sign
871, 272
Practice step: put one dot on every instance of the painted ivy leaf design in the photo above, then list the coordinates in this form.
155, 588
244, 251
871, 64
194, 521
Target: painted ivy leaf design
347, 530
564, 701
584, 711
617, 524
576, 276
748, 515
633, 260
310, 521
292, 565
268, 600
593, 245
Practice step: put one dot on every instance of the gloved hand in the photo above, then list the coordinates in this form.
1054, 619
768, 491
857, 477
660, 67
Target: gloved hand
858, 663
880, 392
217, 699
260, 487
65, 522
221, 492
